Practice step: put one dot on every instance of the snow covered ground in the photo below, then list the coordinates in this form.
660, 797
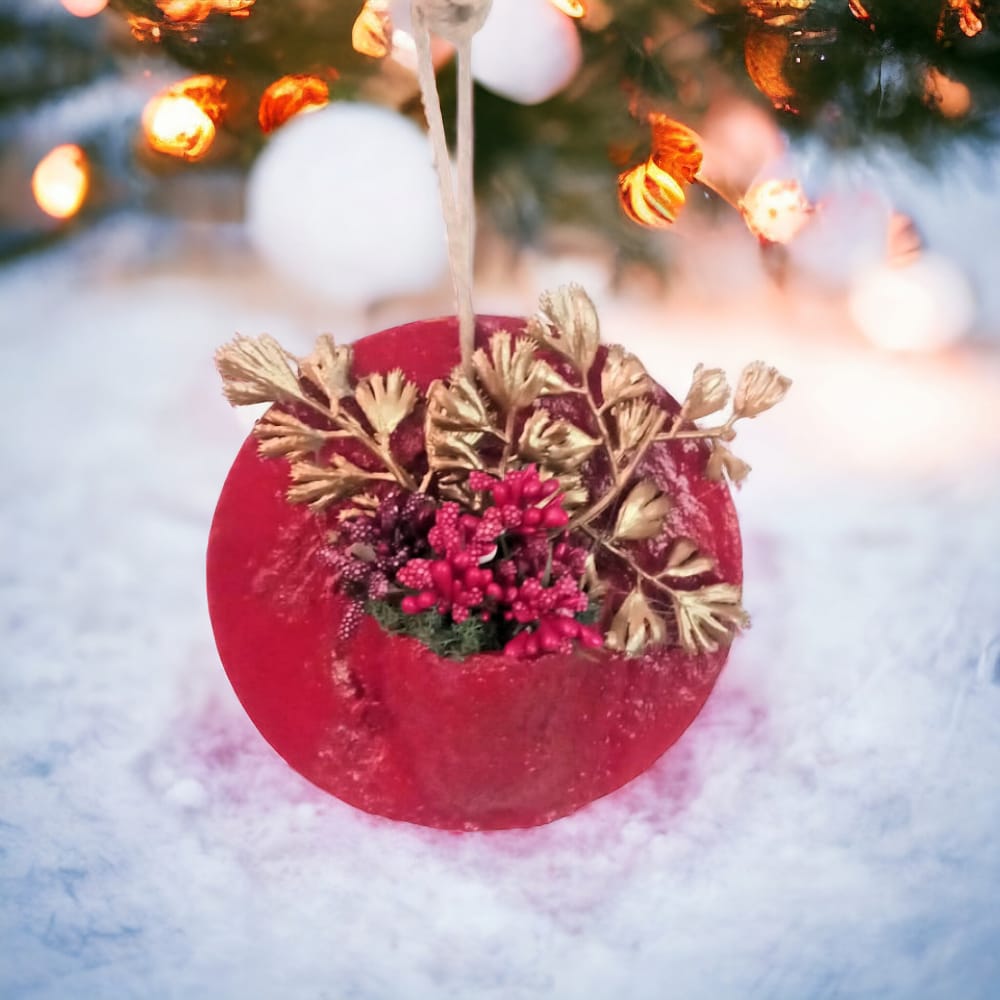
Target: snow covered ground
829, 827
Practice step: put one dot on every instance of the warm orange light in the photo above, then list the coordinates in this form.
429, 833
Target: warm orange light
652, 193
143, 29
196, 11
574, 8
775, 210
969, 14
61, 181
860, 11
778, 13
290, 96
765, 52
181, 121
84, 8
372, 31
650, 196
951, 97
676, 148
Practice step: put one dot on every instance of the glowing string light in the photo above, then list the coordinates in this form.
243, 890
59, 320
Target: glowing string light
196, 11
181, 122
61, 181
290, 96
969, 13
652, 193
775, 210
372, 31
572, 8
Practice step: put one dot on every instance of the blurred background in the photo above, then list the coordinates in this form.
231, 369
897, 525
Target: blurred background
812, 182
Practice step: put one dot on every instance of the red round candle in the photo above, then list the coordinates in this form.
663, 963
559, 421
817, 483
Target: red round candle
383, 723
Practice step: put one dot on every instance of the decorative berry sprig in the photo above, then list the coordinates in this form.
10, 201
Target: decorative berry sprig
506, 564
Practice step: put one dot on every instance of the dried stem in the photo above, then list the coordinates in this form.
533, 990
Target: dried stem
627, 559
354, 430
622, 478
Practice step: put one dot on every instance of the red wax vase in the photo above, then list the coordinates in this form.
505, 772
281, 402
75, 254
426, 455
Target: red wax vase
385, 724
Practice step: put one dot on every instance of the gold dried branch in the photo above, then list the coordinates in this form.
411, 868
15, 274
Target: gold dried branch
281, 433
592, 583
635, 626
452, 449
684, 560
760, 387
642, 513
320, 485
456, 405
574, 491
567, 324
709, 393
386, 401
362, 505
623, 377
256, 370
633, 421
708, 617
723, 462
554, 442
513, 375
328, 368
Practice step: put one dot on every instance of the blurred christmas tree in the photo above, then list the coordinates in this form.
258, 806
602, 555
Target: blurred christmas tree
572, 94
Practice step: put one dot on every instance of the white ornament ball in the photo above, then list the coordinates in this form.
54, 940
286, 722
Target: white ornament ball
922, 306
527, 51
343, 202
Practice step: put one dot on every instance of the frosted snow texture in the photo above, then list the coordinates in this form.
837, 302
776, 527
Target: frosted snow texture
828, 828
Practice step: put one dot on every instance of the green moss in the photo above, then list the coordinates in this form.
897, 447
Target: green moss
438, 632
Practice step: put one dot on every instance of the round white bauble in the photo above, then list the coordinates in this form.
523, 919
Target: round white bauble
922, 306
527, 51
344, 203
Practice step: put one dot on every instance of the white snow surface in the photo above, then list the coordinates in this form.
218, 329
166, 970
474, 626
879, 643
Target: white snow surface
828, 828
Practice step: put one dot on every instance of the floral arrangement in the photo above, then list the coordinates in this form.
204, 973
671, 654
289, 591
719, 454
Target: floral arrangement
508, 508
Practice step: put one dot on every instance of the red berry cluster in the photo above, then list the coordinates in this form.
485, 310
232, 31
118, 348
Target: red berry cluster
504, 564
372, 547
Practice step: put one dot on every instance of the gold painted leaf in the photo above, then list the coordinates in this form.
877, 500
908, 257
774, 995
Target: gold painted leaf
574, 492
685, 560
567, 324
454, 486
281, 433
642, 513
456, 405
634, 421
760, 387
362, 505
512, 374
709, 393
328, 368
320, 485
623, 377
256, 370
592, 584
555, 442
709, 617
636, 626
448, 449
723, 462
386, 400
